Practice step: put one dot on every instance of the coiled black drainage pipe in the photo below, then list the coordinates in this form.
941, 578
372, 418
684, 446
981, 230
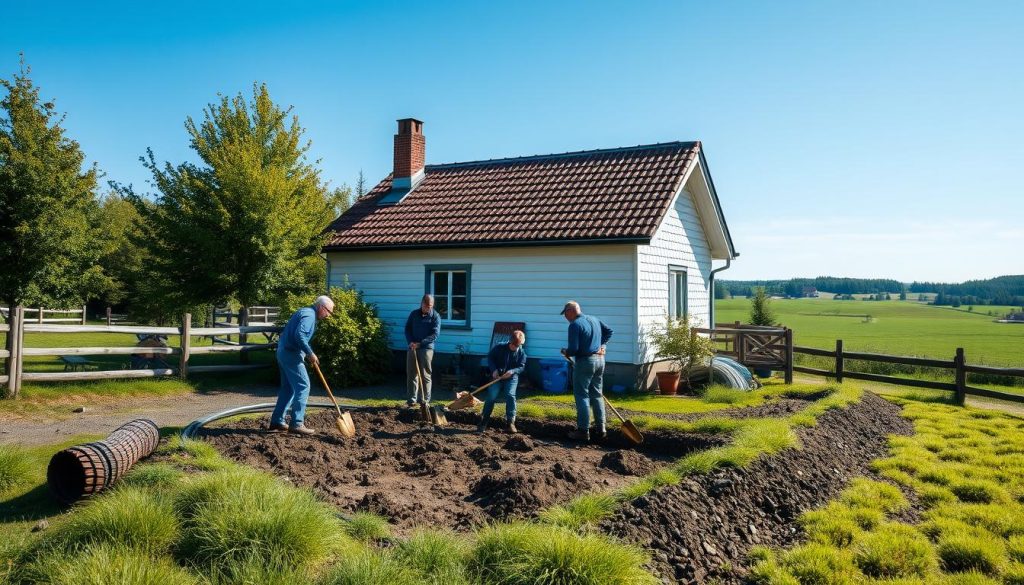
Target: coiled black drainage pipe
84, 470
193, 427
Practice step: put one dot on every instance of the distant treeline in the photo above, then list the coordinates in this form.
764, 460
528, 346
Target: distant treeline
1002, 290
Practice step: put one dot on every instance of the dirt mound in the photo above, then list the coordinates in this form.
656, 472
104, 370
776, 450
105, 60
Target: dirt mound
701, 529
627, 463
454, 477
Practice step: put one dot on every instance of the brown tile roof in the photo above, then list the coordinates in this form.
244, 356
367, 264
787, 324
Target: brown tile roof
619, 194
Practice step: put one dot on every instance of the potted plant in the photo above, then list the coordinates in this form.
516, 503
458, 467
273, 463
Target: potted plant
678, 342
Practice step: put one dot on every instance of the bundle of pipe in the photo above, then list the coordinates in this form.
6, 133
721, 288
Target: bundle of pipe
83, 470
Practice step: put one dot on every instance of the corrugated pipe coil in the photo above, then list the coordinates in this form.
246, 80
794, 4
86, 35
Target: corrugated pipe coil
193, 427
83, 470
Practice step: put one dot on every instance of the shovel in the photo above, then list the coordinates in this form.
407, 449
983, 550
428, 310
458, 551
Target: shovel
346, 427
436, 414
628, 428
467, 399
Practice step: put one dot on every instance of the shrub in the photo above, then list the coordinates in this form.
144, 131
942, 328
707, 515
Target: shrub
127, 516
367, 526
15, 467
676, 341
521, 554
892, 551
962, 551
352, 344
237, 513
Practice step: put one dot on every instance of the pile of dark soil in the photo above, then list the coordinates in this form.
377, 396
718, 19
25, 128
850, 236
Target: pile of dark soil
702, 529
450, 477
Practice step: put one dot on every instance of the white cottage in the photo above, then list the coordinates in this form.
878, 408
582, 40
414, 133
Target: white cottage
631, 233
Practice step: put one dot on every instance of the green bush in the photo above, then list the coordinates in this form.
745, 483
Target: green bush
352, 344
894, 551
15, 467
127, 516
530, 554
233, 515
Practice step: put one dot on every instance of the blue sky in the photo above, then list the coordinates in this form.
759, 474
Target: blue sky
874, 139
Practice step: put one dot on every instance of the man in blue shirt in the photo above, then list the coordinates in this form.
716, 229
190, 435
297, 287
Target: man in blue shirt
588, 337
506, 361
292, 348
421, 331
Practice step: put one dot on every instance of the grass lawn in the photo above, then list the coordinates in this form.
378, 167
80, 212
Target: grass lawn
893, 327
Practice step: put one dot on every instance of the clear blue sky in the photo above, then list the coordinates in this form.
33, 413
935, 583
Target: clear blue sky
853, 139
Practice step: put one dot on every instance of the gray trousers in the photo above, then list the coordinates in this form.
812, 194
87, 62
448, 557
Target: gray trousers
412, 383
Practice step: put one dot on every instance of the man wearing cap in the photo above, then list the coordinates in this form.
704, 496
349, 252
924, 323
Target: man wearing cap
506, 361
421, 331
292, 348
588, 337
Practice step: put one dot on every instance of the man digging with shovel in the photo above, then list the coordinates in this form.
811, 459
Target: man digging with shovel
587, 339
506, 362
292, 348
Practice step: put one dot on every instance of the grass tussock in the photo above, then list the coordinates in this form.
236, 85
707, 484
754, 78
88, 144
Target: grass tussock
522, 553
367, 527
127, 516
228, 515
110, 564
439, 557
894, 551
584, 510
15, 467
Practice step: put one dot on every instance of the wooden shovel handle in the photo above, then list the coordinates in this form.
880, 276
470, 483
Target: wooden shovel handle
419, 376
494, 381
326, 387
622, 420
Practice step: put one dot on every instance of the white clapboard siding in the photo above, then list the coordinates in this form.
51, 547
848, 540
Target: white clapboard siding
679, 241
527, 284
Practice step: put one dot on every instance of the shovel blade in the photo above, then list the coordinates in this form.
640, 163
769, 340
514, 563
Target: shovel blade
463, 402
439, 417
346, 426
632, 433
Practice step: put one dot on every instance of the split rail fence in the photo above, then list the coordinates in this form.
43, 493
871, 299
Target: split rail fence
43, 315
17, 326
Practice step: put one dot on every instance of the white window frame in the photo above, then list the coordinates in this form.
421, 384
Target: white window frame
678, 296
451, 270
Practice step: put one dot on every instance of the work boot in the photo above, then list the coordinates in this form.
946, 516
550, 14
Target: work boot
410, 403
579, 435
512, 427
599, 433
480, 428
302, 430
278, 428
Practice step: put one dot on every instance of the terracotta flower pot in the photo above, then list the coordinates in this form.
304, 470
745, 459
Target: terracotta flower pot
668, 382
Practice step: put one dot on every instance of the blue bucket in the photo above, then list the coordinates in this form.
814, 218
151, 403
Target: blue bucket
554, 375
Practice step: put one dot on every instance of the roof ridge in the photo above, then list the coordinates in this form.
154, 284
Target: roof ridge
492, 161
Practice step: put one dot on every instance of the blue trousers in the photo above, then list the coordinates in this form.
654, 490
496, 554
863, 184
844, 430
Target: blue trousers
509, 388
587, 378
294, 390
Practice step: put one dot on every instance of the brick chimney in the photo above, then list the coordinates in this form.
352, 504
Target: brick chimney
410, 149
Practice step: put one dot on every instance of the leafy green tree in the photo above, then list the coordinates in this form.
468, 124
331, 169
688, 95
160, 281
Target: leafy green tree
120, 254
47, 250
246, 222
678, 342
761, 312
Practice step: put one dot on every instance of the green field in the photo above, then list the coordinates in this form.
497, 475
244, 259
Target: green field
893, 327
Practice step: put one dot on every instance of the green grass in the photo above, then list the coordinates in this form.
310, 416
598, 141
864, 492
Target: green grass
896, 328
367, 527
967, 469
15, 467
125, 516
106, 565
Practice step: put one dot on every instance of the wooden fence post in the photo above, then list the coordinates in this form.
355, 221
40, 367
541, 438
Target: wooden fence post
11, 346
186, 344
243, 338
17, 332
839, 360
961, 377
40, 316
83, 314
108, 316
789, 356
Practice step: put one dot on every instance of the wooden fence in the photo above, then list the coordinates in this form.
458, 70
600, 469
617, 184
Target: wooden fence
767, 348
958, 365
43, 315
16, 352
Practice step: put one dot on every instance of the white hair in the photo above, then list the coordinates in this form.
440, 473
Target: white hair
323, 301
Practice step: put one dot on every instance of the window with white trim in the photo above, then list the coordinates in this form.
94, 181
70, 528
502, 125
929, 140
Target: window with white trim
450, 287
677, 293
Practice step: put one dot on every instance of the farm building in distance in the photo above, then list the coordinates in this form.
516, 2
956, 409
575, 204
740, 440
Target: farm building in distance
630, 233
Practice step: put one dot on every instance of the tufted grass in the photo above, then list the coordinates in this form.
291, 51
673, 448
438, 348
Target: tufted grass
15, 467
439, 557
126, 516
367, 527
110, 564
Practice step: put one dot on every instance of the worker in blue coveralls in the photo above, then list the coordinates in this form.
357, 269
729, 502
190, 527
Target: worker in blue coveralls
292, 348
421, 331
588, 337
505, 361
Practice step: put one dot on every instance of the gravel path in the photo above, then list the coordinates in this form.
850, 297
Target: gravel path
103, 415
